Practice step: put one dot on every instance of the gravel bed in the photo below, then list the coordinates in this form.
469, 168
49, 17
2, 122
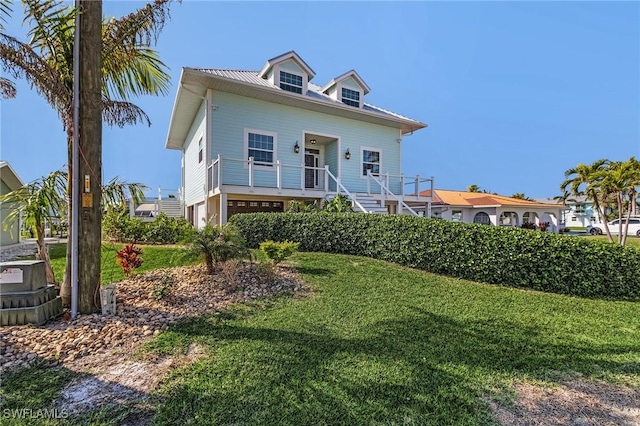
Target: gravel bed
146, 304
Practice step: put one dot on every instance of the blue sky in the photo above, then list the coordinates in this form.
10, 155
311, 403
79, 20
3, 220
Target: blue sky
514, 93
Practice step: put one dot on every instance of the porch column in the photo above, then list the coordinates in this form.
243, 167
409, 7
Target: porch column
222, 215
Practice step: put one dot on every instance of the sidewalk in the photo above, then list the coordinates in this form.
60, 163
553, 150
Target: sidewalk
26, 247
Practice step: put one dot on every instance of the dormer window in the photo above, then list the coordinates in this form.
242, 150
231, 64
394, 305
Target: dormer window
351, 97
290, 82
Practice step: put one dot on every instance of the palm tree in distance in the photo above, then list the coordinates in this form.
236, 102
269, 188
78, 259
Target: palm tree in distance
473, 188
619, 182
129, 66
585, 180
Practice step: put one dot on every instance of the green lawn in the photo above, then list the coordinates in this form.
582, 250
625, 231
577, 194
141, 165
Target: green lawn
631, 241
154, 257
375, 344
381, 344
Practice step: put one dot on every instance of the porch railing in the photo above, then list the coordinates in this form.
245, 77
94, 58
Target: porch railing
251, 173
386, 192
398, 184
340, 187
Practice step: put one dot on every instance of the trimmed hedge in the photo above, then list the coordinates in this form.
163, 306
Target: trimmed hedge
506, 256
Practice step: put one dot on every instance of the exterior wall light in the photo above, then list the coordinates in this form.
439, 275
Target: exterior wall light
296, 148
313, 141
347, 154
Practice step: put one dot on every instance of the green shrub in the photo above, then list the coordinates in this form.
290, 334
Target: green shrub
338, 204
215, 244
295, 206
499, 255
118, 226
278, 251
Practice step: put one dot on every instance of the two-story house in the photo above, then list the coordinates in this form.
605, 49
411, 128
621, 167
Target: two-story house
254, 140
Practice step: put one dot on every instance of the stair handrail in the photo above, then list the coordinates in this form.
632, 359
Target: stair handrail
346, 191
384, 188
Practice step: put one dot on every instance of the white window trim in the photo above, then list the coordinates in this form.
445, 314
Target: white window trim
362, 150
359, 90
302, 76
201, 149
246, 147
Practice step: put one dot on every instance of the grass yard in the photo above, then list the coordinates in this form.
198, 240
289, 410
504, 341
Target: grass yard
154, 257
382, 344
374, 344
631, 241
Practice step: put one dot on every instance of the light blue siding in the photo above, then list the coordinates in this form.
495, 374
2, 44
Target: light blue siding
331, 159
350, 83
291, 66
237, 113
194, 171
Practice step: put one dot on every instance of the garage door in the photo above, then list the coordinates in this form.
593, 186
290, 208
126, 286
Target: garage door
238, 206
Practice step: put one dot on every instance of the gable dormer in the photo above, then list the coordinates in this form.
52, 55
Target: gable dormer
288, 72
349, 88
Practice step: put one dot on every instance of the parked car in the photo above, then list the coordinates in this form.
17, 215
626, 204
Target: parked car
615, 227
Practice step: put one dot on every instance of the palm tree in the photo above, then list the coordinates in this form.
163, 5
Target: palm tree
215, 244
43, 200
7, 88
619, 181
584, 180
37, 202
473, 188
129, 67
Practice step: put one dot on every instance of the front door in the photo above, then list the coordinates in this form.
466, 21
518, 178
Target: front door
311, 172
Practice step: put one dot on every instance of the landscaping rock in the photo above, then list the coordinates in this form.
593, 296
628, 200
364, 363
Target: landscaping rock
140, 316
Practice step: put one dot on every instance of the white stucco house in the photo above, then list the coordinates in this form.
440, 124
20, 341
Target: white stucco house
9, 181
251, 140
492, 209
579, 212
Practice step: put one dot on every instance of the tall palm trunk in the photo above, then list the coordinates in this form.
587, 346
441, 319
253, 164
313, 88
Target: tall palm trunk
42, 253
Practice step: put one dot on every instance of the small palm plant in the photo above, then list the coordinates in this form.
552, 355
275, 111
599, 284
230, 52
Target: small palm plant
216, 244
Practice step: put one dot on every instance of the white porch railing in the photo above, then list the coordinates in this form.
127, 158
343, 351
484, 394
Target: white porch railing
339, 187
385, 191
398, 183
251, 173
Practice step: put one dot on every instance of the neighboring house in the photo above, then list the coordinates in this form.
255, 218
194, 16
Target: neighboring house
253, 140
492, 209
579, 212
150, 208
9, 181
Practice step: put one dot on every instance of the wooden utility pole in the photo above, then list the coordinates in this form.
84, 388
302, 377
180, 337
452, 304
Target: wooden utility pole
90, 155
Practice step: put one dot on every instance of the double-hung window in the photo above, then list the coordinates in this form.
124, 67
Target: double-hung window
200, 150
290, 82
351, 97
261, 147
370, 161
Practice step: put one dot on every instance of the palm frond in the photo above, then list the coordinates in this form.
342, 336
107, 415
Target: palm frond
117, 192
20, 60
130, 68
121, 113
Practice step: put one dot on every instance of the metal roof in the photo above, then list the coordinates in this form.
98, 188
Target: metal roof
9, 176
194, 83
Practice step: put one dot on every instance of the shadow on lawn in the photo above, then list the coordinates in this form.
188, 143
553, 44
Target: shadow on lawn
43, 394
418, 369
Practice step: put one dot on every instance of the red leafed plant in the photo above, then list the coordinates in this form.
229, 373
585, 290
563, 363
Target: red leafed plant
129, 258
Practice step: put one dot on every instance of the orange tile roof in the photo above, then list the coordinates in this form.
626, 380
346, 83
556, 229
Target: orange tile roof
481, 199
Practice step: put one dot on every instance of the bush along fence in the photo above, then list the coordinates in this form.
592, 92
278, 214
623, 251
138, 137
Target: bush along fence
506, 256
